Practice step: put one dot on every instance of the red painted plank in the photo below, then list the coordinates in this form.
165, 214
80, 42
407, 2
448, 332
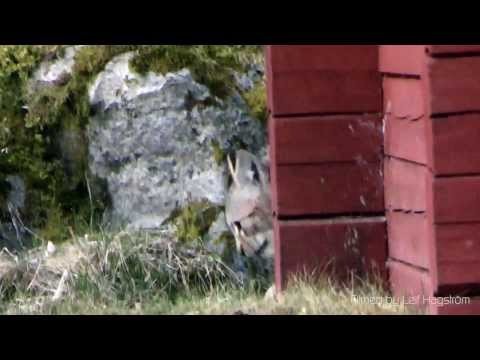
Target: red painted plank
456, 199
321, 79
458, 243
404, 121
406, 185
457, 307
456, 273
335, 247
458, 252
324, 57
410, 284
409, 238
452, 49
337, 188
403, 98
272, 166
454, 85
318, 139
456, 145
402, 59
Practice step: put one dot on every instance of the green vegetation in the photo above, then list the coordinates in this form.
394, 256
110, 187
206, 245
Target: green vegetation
193, 221
147, 274
256, 100
32, 121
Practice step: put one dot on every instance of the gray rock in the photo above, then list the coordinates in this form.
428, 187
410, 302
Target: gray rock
151, 140
254, 74
50, 72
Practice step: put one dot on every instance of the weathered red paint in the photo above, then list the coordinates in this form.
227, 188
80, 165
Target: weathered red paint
430, 104
459, 309
402, 59
456, 145
409, 283
403, 98
336, 188
323, 79
456, 199
452, 49
406, 185
409, 238
337, 246
453, 85
404, 119
326, 139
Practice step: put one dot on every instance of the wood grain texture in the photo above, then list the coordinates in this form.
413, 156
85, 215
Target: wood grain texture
323, 79
338, 247
405, 120
402, 59
406, 185
452, 49
337, 188
320, 139
453, 85
409, 237
456, 145
409, 283
456, 199
456, 309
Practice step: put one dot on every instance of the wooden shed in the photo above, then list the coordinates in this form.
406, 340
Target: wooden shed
376, 165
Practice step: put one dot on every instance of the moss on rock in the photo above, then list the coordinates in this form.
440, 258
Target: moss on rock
32, 122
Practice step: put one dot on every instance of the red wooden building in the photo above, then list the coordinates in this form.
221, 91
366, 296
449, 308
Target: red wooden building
376, 165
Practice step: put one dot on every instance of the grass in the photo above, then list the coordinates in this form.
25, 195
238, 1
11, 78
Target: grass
152, 274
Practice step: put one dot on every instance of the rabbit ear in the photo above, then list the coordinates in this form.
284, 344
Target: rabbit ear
232, 171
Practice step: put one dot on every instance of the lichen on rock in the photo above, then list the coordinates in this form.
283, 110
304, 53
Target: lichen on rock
151, 137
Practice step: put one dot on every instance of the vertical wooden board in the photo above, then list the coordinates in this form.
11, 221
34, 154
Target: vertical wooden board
404, 120
406, 140
456, 307
328, 189
409, 283
272, 166
319, 139
452, 49
456, 145
329, 247
454, 85
322, 79
456, 199
269, 76
403, 98
402, 59
409, 237
406, 185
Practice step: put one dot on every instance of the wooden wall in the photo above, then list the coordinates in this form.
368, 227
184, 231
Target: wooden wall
326, 159
364, 133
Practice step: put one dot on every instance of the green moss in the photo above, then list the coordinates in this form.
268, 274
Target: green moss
210, 65
32, 122
256, 100
218, 154
193, 221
